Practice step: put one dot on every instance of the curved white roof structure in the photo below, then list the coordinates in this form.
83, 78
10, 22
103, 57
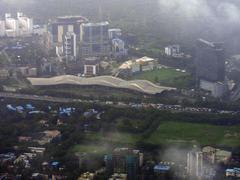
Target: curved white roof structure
142, 86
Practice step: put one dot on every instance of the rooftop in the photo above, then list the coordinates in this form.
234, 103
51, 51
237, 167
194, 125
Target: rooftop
142, 86
97, 24
161, 167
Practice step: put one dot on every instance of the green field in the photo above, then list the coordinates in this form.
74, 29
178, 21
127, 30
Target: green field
167, 77
203, 134
114, 137
98, 149
168, 133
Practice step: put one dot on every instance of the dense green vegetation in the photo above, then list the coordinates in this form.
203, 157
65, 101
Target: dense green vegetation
147, 129
3, 60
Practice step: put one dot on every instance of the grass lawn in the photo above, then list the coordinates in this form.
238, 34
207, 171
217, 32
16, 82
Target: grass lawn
204, 134
85, 148
168, 77
100, 142
114, 137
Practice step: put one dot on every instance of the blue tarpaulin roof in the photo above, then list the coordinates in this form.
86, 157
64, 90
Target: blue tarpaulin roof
55, 163
161, 168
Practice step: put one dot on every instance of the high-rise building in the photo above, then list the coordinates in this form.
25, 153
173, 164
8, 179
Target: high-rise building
2, 28
172, 50
125, 160
62, 25
70, 46
210, 67
210, 61
195, 164
114, 33
25, 24
118, 48
94, 39
12, 26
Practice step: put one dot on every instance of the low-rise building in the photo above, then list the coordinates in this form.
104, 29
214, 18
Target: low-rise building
217, 89
235, 172
172, 50
4, 74
117, 176
24, 139
139, 65
38, 150
146, 63
87, 176
37, 176
91, 66
28, 71
114, 33
49, 136
215, 155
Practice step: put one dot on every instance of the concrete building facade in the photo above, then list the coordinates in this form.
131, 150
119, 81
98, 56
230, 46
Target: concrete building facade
94, 40
91, 66
25, 24
118, 48
2, 28
70, 46
62, 25
172, 50
14, 27
115, 33
125, 160
210, 67
210, 61
195, 164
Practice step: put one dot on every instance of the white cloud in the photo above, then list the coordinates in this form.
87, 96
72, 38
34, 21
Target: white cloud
229, 11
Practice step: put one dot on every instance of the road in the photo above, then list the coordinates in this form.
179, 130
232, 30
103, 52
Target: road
173, 108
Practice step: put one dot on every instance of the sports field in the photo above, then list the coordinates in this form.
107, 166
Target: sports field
166, 77
203, 134
86, 148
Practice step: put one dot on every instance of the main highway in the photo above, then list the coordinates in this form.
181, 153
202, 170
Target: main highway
173, 108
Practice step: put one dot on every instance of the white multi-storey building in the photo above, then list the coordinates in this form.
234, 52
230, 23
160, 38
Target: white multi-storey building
2, 28
14, 27
114, 33
25, 24
118, 48
70, 46
195, 164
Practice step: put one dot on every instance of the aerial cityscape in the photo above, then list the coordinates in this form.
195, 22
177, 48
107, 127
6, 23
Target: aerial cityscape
119, 90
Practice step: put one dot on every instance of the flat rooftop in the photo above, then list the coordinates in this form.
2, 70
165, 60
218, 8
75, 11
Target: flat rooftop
97, 24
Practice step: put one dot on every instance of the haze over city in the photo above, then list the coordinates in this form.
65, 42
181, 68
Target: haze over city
119, 89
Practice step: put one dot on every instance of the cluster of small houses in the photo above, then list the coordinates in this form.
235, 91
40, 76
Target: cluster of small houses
24, 159
62, 111
234, 172
49, 136
13, 161
30, 109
